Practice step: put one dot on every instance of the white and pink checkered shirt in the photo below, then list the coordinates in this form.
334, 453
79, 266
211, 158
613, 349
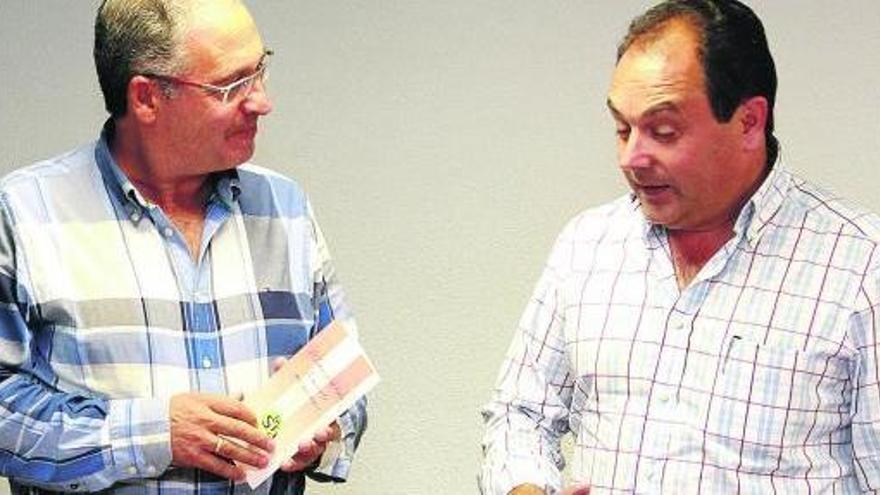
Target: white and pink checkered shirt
760, 377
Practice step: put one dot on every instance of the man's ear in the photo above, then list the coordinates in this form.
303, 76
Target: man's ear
143, 98
752, 117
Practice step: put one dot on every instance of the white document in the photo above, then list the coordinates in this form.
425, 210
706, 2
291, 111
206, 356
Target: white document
325, 378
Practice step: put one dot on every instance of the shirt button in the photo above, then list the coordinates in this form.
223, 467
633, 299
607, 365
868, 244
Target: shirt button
132, 470
151, 469
135, 217
167, 232
206, 363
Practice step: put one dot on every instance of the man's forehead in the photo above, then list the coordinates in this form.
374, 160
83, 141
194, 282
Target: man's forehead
222, 19
664, 69
224, 38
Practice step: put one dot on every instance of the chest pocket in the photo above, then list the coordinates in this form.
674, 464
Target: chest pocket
769, 398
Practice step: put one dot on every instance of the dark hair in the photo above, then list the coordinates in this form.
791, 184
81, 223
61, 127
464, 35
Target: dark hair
133, 37
736, 60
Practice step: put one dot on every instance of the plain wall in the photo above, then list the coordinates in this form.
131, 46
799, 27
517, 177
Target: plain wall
444, 144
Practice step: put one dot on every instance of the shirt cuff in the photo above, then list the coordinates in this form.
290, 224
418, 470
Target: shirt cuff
139, 437
501, 476
336, 460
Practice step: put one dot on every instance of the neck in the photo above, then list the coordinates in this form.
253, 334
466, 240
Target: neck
161, 179
157, 177
691, 250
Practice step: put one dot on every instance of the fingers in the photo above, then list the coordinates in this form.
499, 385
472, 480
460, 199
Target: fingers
238, 421
294, 466
245, 432
220, 467
310, 451
198, 421
232, 450
327, 434
232, 408
197, 451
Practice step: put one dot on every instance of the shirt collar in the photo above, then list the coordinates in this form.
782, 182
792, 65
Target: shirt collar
764, 203
226, 184
755, 214
227, 187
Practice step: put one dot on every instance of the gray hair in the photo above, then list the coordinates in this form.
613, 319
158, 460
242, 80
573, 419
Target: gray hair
137, 37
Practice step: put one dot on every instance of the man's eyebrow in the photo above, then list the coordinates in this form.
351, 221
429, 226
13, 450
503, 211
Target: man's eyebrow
614, 111
666, 106
246, 71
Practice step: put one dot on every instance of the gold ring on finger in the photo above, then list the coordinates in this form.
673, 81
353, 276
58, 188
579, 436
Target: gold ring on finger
219, 444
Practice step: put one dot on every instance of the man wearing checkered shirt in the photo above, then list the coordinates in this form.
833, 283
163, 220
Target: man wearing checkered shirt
151, 278
715, 330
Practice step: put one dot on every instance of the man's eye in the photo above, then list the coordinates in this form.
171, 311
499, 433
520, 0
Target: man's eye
622, 132
664, 133
238, 87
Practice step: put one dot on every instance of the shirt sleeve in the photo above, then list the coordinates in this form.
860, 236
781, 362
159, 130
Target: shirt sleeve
864, 328
331, 304
59, 439
529, 408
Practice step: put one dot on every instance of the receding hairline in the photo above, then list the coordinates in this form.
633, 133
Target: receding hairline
642, 41
660, 33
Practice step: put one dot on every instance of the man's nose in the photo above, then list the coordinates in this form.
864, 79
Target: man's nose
633, 152
258, 100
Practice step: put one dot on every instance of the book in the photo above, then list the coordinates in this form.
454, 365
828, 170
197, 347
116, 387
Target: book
313, 388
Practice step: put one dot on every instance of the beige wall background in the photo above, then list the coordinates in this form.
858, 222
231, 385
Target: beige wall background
444, 144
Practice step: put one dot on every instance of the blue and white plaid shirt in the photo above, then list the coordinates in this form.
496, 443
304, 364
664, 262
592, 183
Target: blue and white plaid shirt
760, 377
104, 315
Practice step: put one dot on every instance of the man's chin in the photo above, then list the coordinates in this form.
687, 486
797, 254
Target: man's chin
658, 217
242, 154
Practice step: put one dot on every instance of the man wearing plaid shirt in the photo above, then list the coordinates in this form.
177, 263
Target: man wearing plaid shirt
150, 279
715, 330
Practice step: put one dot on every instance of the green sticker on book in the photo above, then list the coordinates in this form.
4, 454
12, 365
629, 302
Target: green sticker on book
270, 423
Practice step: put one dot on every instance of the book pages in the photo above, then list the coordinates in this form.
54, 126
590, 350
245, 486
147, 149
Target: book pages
313, 388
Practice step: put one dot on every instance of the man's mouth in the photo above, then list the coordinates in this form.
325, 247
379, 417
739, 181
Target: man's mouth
652, 190
246, 132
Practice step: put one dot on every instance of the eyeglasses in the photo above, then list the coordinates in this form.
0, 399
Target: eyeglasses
235, 91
